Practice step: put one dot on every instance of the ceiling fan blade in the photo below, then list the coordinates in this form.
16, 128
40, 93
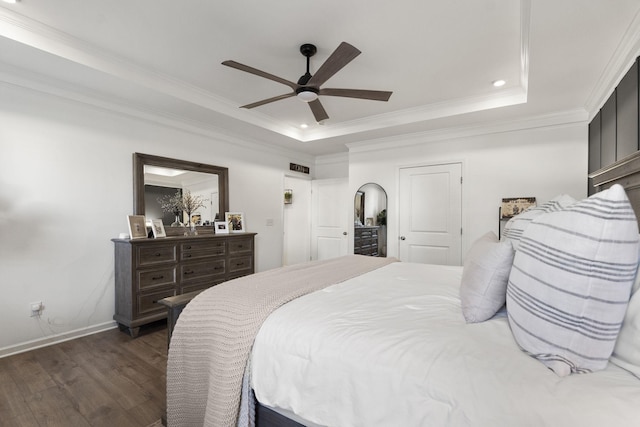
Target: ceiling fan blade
375, 95
255, 71
318, 111
269, 100
340, 57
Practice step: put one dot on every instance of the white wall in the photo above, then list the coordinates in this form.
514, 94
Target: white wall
297, 221
65, 191
540, 162
331, 166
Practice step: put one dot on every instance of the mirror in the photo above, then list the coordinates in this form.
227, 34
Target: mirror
155, 177
370, 221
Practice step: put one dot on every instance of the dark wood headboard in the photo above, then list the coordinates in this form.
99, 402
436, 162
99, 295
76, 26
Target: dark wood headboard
625, 172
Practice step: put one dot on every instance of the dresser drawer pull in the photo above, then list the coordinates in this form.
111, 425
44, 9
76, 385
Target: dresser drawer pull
158, 254
188, 247
157, 278
189, 272
238, 264
217, 268
187, 256
240, 246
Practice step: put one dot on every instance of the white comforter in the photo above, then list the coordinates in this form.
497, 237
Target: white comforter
391, 348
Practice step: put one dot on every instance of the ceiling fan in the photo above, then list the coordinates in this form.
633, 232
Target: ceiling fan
308, 87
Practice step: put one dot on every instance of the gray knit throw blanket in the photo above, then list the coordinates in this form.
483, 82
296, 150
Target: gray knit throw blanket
212, 340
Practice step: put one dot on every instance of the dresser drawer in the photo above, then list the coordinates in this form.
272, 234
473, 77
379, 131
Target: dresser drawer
148, 279
241, 264
201, 286
202, 270
195, 250
156, 254
241, 246
148, 302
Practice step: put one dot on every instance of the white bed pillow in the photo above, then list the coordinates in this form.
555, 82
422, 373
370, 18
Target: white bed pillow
626, 353
484, 278
514, 228
571, 279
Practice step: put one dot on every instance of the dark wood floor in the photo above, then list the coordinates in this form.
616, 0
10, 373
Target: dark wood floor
106, 379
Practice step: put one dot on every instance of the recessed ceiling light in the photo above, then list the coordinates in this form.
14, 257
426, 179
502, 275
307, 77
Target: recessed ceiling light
498, 83
304, 126
10, 1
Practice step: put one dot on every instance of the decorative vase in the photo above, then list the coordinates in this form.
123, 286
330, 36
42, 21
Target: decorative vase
191, 226
177, 222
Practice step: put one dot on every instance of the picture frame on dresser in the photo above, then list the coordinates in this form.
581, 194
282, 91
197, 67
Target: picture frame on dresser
235, 222
158, 228
196, 218
137, 227
220, 227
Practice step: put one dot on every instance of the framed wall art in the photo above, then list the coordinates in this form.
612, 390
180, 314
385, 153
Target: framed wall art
235, 222
515, 205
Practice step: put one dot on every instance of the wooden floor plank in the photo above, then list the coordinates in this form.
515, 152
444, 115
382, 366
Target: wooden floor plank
29, 374
52, 407
106, 379
12, 401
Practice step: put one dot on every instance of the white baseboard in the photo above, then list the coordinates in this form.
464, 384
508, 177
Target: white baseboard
55, 339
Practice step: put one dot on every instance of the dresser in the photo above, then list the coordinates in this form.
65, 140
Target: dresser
365, 241
148, 270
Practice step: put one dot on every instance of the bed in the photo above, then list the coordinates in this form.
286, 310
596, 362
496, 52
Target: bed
362, 341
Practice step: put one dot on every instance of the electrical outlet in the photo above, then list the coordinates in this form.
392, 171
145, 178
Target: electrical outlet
36, 308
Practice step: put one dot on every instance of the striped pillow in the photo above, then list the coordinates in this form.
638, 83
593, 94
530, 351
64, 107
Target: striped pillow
570, 283
514, 228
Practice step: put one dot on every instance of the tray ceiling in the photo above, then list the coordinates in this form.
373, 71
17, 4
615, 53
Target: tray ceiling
163, 59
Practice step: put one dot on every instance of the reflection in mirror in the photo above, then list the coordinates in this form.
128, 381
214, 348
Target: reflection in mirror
370, 221
156, 177
162, 182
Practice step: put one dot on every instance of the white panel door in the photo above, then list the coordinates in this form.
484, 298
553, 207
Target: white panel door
297, 222
330, 222
430, 200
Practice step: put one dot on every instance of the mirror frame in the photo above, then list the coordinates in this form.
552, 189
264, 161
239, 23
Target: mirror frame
140, 160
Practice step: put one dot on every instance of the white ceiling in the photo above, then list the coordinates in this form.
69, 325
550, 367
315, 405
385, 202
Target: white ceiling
162, 59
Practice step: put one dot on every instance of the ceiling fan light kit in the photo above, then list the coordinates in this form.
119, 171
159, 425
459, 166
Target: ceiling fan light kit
307, 94
308, 89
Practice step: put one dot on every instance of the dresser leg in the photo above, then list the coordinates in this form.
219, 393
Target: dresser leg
133, 332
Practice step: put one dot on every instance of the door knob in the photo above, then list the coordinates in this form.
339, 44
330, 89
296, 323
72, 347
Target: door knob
344, 233
402, 238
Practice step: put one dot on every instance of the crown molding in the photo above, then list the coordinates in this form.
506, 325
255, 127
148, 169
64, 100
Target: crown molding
328, 159
623, 57
52, 87
562, 118
428, 112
